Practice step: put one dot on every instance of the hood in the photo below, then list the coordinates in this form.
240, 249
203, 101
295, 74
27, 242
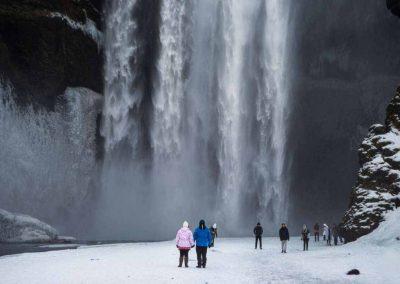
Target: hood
202, 224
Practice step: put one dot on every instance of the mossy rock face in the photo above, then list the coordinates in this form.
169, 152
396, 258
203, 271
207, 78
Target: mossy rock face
41, 54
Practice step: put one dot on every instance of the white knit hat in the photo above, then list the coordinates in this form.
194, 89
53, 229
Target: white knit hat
185, 224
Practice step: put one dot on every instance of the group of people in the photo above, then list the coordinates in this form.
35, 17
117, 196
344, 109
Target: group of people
328, 233
203, 238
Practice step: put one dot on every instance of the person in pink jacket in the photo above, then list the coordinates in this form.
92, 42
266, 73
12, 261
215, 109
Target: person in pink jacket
184, 242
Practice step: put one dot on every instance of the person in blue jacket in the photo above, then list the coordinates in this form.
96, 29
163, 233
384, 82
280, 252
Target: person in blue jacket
202, 237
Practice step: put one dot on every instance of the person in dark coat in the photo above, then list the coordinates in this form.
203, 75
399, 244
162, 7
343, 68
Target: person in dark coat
316, 232
305, 236
202, 237
329, 237
214, 234
284, 236
335, 234
258, 231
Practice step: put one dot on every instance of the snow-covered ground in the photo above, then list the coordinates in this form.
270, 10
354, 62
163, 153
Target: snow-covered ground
232, 260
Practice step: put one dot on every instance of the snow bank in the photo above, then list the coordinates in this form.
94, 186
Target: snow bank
388, 231
24, 228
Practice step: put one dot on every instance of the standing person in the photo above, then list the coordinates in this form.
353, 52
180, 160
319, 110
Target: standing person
340, 233
214, 234
258, 231
202, 236
329, 236
184, 242
284, 236
316, 232
305, 233
335, 234
325, 232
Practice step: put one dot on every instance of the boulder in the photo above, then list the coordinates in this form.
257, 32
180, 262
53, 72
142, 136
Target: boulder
353, 272
24, 228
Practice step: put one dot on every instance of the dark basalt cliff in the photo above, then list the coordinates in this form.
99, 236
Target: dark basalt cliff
378, 186
46, 46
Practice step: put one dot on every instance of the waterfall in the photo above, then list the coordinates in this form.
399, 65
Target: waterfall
169, 96
272, 111
216, 122
121, 96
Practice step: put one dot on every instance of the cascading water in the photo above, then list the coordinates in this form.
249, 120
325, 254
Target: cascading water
121, 98
217, 116
168, 99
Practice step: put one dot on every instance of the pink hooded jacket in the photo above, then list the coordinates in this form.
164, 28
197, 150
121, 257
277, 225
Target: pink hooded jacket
184, 237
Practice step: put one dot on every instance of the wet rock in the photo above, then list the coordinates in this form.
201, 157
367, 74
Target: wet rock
46, 46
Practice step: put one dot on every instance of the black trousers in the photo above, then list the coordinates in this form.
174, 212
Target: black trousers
201, 256
258, 238
316, 236
305, 244
184, 253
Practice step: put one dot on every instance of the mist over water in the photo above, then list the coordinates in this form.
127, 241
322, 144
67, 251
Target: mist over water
215, 126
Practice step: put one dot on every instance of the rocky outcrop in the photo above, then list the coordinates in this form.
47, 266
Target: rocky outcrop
24, 228
378, 186
46, 46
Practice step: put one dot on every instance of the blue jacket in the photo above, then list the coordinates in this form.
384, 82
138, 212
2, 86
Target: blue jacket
202, 237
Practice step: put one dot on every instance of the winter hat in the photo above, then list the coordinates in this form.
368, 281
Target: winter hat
185, 224
202, 224
215, 226
304, 226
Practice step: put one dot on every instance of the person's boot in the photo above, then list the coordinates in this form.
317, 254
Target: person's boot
180, 261
186, 261
204, 264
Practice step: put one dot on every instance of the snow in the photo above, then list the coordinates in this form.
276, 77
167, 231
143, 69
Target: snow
231, 261
89, 28
24, 228
387, 232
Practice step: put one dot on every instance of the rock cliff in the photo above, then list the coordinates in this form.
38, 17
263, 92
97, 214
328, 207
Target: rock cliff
46, 46
378, 186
